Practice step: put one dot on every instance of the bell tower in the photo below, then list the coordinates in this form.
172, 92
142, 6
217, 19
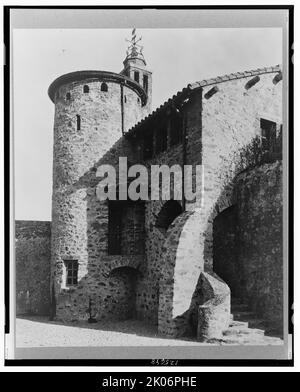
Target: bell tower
135, 67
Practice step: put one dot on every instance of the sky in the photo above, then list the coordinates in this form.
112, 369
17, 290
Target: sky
175, 56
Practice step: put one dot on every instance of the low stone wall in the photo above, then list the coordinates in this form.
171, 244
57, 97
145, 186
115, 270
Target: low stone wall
33, 267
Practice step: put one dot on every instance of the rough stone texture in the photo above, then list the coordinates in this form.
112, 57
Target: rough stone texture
214, 313
248, 239
156, 276
79, 219
33, 256
260, 223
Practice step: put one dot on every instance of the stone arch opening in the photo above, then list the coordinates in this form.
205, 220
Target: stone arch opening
225, 251
104, 87
122, 296
169, 212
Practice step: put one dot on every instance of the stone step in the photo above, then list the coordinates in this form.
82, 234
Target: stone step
237, 331
240, 324
243, 339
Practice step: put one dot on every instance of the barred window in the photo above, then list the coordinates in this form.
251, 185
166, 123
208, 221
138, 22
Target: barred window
72, 272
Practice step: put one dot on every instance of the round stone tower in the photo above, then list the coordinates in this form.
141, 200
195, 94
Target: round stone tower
93, 109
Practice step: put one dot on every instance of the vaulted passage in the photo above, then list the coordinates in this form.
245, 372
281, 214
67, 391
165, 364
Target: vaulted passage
225, 252
126, 232
169, 212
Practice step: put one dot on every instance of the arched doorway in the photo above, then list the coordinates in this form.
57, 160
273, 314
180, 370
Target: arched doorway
169, 212
225, 251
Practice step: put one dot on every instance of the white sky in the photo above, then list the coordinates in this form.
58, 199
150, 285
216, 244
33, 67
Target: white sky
176, 57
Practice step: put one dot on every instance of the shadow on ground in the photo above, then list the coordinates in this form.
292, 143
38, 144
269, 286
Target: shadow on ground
131, 326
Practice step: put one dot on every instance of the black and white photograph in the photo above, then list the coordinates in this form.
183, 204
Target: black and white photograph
149, 184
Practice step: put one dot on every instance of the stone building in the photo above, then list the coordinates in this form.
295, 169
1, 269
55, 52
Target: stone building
161, 261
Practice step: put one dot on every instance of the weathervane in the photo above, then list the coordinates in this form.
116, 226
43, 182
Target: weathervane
134, 49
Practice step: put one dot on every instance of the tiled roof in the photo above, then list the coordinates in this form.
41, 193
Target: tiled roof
181, 95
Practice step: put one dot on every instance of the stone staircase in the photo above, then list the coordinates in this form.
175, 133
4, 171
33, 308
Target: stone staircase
246, 329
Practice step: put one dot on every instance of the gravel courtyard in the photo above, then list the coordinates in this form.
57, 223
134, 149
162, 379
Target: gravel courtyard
38, 331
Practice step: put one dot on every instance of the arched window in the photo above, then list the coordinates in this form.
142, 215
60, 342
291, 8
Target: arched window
104, 87
68, 96
86, 89
169, 212
78, 121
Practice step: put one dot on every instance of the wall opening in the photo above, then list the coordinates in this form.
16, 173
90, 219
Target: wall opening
268, 135
169, 212
68, 96
225, 250
104, 87
71, 272
78, 122
161, 138
86, 89
145, 82
126, 228
176, 128
148, 146
137, 76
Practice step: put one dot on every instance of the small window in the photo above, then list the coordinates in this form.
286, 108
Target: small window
71, 272
148, 146
145, 82
104, 87
176, 129
68, 96
86, 89
138, 100
137, 76
161, 139
125, 99
78, 121
268, 134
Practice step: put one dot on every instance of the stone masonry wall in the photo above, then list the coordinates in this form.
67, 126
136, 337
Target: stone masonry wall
231, 119
80, 220
259, 200
32, 267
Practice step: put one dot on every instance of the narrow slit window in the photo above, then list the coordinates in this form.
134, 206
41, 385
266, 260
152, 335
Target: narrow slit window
68, 96
104, 87
176, 129
86, 89
137, 76
145, 82
71, 272
148, 146
78, 122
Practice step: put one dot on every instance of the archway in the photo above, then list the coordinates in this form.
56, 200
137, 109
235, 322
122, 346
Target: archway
169, 212
225, 252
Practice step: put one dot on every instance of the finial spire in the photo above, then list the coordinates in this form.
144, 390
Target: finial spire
134, 50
